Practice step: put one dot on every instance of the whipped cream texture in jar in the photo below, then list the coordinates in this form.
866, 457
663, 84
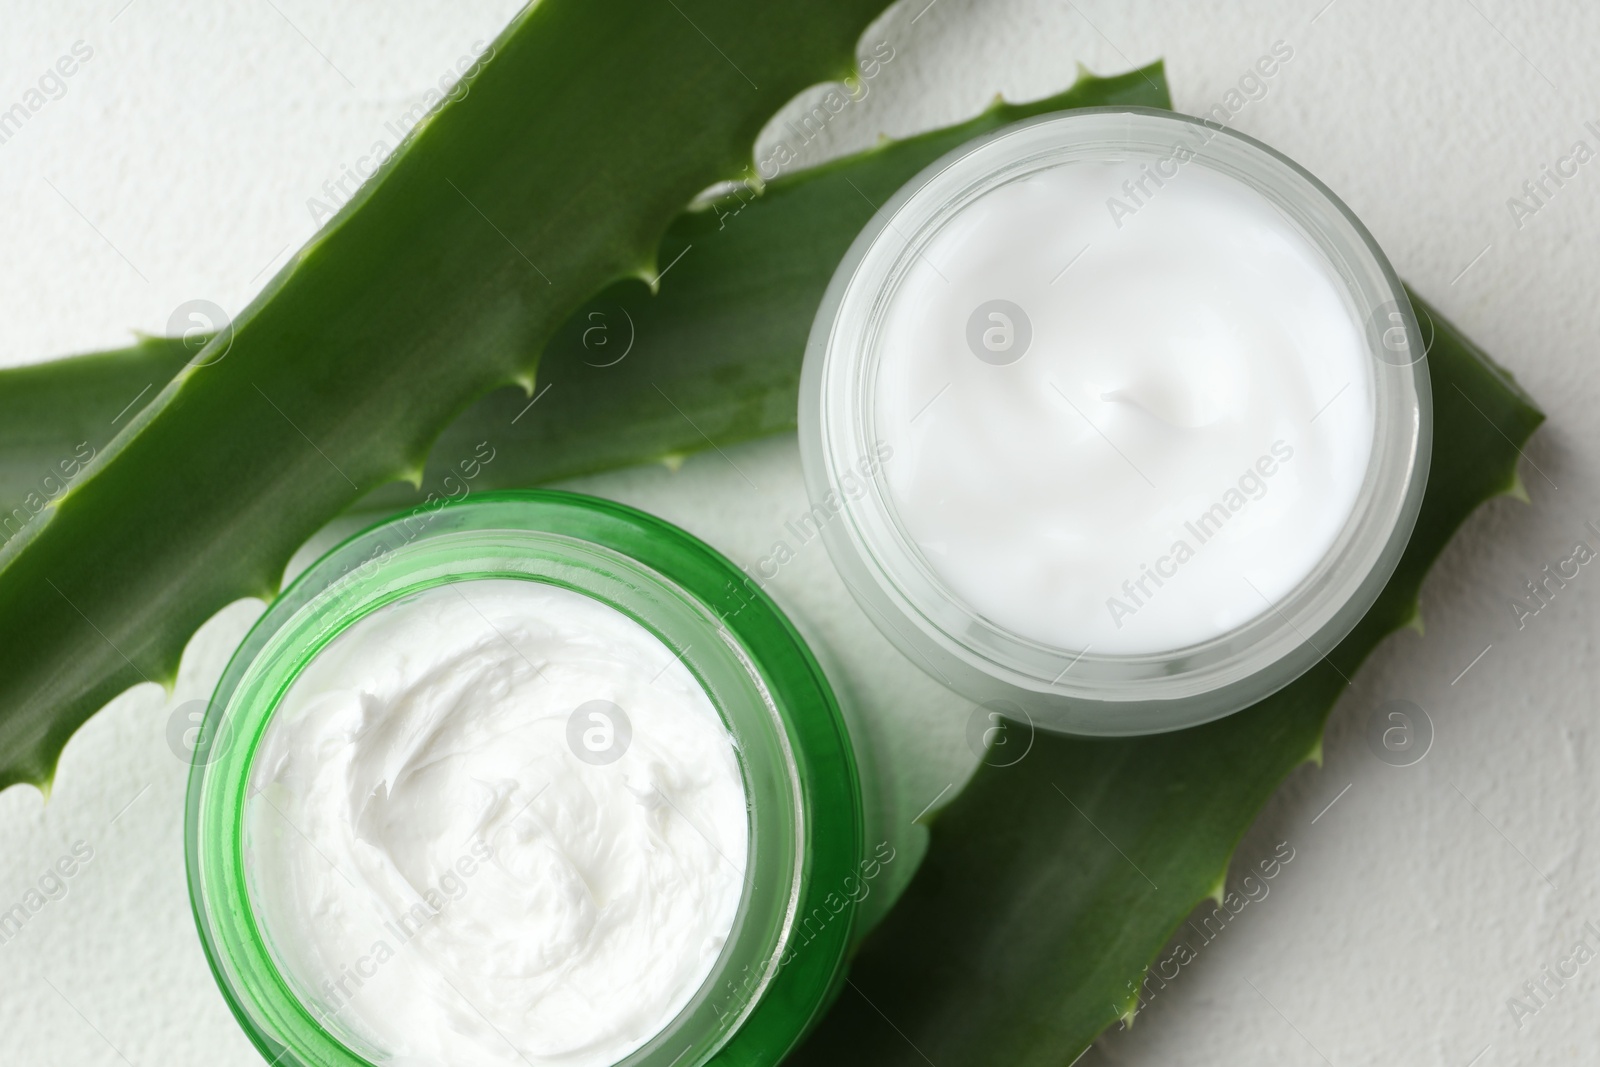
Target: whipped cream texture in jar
531, 779
425, 837
1158, 415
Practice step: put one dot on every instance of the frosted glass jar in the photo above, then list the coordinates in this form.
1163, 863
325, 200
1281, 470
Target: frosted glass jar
1116, 420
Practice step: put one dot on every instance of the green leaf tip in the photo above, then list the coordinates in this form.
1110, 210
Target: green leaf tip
649, 275
1219, 888
1517, 489
412, 473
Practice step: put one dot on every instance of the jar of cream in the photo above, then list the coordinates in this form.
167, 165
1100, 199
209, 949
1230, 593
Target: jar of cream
532, 779
1115, 419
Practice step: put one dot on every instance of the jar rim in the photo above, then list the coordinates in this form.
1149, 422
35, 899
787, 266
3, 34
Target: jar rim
1080, 690
799, 771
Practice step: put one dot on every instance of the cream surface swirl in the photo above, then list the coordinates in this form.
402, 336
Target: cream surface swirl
497, 822
1128, 430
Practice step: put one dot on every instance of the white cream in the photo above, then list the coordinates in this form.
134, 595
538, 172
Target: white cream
444, 864
1191, 354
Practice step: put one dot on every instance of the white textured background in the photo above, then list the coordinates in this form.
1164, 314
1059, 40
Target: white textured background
178, 164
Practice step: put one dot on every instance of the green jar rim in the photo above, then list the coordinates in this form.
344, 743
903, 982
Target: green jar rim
797, 933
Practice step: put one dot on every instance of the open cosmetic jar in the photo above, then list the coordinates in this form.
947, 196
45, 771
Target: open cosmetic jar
534, 779
1116, 420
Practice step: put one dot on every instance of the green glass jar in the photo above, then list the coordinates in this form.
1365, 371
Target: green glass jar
783, 959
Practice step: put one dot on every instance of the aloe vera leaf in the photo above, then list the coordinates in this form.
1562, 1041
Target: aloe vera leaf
1025, 932
557, 174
